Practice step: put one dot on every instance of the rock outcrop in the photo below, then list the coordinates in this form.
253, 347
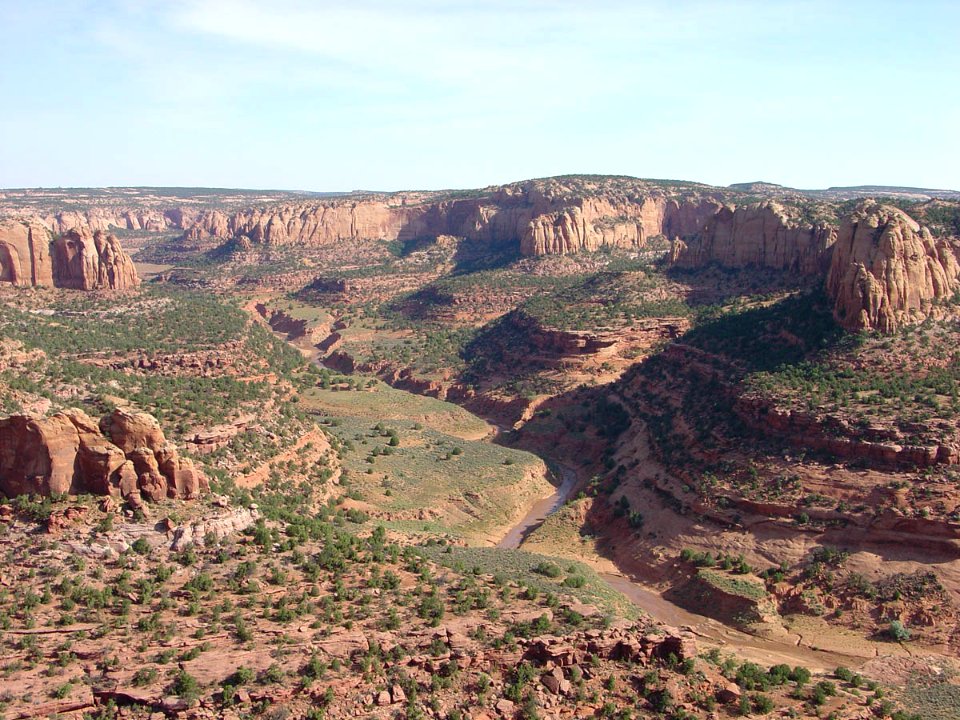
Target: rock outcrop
589, 223
887, 271
125, 455
104, 219
543, 217
25, 254
759, 235
96, 261
877, 446
77, 259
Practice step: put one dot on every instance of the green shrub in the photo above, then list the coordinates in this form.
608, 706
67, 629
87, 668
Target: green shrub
898, 632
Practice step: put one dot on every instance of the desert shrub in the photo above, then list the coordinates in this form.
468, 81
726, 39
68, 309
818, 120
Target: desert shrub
898, 632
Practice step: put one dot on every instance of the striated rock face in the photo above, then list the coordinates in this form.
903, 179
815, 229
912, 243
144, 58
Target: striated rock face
103, 219
888, 271
85, 261
317, 224
807, 429
590, 223
546, 217
760, 235
67, 453
78, 259
543, 218
25, 254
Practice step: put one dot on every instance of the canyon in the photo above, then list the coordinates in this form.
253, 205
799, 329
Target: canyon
746, 393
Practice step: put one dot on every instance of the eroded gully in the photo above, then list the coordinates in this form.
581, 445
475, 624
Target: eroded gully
770, 651
712, 632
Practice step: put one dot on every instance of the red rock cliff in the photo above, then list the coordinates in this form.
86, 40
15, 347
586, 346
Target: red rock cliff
77, 259
92, 262
25, 254
104, 219
543, 217
761, 235
887, 271
69, 453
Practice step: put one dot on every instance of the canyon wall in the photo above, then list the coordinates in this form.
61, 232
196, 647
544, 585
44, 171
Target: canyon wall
888, 271
85, 261
25, 254
551, 219
760, 235
77, 259
883, 270
105, 219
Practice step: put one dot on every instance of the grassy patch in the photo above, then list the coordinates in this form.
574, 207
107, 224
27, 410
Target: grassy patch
385, 403
419, 479
933, 699
739, 586
519, 566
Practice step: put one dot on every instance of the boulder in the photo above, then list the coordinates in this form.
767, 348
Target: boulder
99, 464
127, 479
186, 481
131, 429
729, 693
152, 486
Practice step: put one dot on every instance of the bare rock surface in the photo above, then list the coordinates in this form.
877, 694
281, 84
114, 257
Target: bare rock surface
25, 254
78, 259
759, 235
554, 216
888, 271
66, 453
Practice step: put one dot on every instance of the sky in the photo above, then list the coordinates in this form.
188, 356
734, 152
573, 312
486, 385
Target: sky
431, 94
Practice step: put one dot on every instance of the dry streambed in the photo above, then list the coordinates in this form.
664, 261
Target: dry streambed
823, 651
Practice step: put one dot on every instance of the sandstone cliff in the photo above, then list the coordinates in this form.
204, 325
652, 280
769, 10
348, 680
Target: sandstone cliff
888, 271
543, 217
126, 455
105, 219
92, 262
25, 254
760, 235
77, 259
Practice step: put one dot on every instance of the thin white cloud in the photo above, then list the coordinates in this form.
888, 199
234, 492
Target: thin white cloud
455, 42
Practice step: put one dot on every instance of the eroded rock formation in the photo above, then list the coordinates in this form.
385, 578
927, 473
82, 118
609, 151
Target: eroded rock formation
25, 254
78, 259
888, 271
125, 455
543, 217
760, 235
104, 219
96, 261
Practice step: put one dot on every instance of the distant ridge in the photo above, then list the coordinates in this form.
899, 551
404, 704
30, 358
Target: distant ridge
758, 185
889, 188
849, 192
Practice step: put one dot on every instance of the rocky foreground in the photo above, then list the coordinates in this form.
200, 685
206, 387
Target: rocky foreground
296, 618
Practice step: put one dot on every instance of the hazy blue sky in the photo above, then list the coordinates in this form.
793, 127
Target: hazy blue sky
386, 94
